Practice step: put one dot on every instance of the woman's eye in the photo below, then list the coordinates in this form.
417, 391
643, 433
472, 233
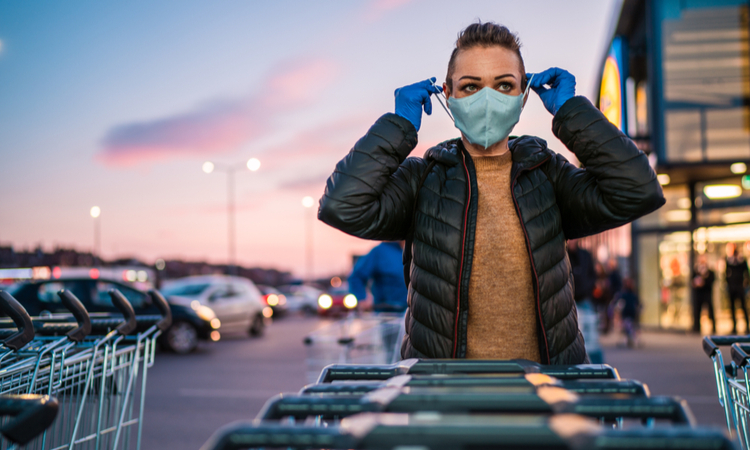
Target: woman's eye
470, 88
505, 87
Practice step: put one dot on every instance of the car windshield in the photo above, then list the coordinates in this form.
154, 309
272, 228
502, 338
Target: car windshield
185, 290
13, 288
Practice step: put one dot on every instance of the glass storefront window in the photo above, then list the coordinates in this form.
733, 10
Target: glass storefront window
675, 212
706, 80
725, 201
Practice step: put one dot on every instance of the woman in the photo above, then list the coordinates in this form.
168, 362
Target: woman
487, 215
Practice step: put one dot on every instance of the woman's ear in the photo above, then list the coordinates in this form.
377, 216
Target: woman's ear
446, 90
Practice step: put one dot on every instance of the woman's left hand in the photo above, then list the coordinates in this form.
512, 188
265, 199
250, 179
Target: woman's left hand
562, 87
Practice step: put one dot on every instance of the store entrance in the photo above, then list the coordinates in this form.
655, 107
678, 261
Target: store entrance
665, 276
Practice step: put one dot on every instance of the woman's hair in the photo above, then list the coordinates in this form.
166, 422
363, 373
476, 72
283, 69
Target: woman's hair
486, 34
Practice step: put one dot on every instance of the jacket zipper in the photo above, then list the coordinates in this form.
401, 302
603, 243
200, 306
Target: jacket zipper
531, 256
461, 262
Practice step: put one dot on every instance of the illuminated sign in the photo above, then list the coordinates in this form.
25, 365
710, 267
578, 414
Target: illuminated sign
611, 90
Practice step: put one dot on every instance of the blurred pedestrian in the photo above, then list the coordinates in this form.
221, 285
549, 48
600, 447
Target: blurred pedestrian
615, 286
485, 215
630, 310
383, 270
584, 280
737, 280
703, 289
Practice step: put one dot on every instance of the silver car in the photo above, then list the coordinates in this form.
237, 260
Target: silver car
236, 301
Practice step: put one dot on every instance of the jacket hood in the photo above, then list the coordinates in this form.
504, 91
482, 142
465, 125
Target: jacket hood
526, 150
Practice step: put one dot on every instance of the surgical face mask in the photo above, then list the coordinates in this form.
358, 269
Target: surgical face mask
488, 116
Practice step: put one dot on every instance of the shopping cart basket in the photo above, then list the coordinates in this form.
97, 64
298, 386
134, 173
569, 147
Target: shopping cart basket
97, 383
433, 431
366, 339
29, 416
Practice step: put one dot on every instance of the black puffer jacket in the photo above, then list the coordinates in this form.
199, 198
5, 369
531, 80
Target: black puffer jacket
372, 193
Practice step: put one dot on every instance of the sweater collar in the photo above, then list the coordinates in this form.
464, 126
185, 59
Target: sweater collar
527, 151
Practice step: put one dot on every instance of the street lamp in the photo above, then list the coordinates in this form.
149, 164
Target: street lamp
308, 203
95, 213
252, 164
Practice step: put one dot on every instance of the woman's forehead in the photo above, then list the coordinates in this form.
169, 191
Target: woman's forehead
486, 62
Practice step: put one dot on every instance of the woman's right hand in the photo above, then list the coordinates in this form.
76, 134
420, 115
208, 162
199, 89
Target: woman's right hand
411, 99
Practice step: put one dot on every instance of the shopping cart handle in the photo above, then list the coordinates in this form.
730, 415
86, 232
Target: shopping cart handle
302, 406
674, 409
335, 389
11, 308
124, 306
711, 344
76, 308
244, 435
632, 388
32, 414
659, 438
740, 354
335, 372
164, 309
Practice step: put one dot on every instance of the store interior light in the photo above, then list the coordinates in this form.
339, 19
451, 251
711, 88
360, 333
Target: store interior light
746, 182
663, 179
736, 217
678, 215
683, 203
738, 167
719, 191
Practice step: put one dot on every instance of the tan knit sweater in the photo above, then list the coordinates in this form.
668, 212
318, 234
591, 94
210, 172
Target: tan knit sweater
502, 320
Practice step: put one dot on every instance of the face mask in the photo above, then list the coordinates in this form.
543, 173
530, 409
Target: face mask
487, 117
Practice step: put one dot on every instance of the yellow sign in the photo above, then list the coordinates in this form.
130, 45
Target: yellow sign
610, 95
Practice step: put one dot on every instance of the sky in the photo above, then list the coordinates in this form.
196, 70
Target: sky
118, 105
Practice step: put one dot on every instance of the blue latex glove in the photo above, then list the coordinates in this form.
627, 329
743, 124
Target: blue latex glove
412, 98
562, 87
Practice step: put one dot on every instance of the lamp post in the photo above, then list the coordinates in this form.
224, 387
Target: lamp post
95, 213
308, 203
252, 164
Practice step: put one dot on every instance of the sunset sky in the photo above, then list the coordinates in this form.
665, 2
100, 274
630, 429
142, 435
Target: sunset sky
118, 104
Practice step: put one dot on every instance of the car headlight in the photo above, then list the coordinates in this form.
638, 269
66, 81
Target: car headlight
350, 301
215, 323
267, 312
325, 301
272, 300
205, 313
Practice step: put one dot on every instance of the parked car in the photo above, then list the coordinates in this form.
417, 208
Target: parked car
273, 298
189, 324
301, 298
337, 301
237, 302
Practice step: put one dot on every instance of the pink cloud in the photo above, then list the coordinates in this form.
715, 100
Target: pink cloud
220, 126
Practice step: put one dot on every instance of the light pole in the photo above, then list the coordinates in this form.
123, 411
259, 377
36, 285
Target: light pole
308, 203
252, 164
95, 213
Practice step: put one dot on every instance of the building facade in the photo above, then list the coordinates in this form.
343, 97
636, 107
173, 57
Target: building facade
676, 79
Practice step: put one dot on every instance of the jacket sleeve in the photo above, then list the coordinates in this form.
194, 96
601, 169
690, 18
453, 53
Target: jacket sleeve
370, 194
616, 185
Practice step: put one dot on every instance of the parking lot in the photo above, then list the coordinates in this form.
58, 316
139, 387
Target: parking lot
190, 397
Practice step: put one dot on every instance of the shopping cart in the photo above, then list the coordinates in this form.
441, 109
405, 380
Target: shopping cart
731, 383
366, 339
29, 416
100, 380
432, 431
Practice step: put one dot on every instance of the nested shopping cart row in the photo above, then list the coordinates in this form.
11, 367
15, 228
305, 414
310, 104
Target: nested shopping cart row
94, 368
467, 404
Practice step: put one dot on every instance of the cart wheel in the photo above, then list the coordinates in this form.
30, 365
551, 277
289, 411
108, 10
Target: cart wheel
258, 327
182, 337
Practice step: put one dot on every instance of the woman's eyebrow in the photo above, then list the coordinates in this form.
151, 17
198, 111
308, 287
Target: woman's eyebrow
470, 77
505, 75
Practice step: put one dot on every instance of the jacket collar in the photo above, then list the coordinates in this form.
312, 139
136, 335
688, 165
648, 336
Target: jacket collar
527, 151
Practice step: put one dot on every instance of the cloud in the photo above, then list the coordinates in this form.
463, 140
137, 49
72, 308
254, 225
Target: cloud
219, 126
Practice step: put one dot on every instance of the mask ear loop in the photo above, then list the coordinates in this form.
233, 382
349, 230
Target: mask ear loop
440, 94
526, 92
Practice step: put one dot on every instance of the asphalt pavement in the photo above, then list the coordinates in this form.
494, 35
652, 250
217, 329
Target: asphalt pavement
190, 397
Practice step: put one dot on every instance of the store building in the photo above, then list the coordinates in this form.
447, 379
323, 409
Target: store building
676, 79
